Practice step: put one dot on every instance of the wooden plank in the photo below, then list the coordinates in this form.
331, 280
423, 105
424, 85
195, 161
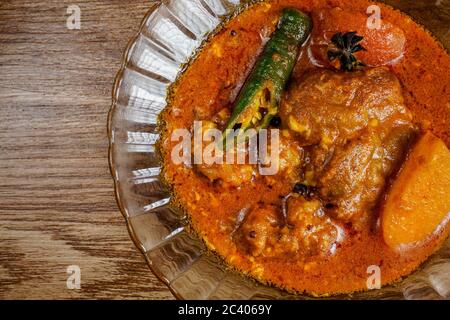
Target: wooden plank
57, 205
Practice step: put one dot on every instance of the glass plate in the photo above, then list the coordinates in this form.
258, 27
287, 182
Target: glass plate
170, 35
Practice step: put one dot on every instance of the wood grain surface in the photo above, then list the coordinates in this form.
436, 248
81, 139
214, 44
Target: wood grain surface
57, 205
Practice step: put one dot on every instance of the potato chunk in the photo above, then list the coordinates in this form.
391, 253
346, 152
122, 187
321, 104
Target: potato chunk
418, 202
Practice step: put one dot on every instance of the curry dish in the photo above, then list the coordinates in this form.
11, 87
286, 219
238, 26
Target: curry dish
363, 168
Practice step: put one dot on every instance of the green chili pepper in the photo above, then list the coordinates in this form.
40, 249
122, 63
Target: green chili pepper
259, 99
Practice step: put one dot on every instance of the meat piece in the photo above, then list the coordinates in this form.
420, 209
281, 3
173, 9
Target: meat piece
355, 130
259, 230
314, 232
231, 175
221, 118
354, 178
289, 158
305, 231
396, 145
327, 105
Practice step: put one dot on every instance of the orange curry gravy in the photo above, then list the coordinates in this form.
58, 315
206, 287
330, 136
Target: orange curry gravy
213, 81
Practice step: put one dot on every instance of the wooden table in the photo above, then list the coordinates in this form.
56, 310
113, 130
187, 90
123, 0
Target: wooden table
57, 205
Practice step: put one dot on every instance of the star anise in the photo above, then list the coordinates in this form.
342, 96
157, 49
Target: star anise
343, 47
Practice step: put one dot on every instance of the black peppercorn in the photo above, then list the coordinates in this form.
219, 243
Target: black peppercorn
301, 188
275, 122
330, 206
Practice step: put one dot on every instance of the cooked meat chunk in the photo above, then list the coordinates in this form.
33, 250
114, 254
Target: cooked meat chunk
328, 105
259, 230
287, 158
232, 175
396, 144
314, 232
354, 178
283, 157
290, 159
222, 117
355, 130
305, 231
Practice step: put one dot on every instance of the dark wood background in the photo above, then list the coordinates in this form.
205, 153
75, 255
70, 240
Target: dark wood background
57, 205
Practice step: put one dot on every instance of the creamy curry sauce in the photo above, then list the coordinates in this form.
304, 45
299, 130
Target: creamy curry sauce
327, 252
